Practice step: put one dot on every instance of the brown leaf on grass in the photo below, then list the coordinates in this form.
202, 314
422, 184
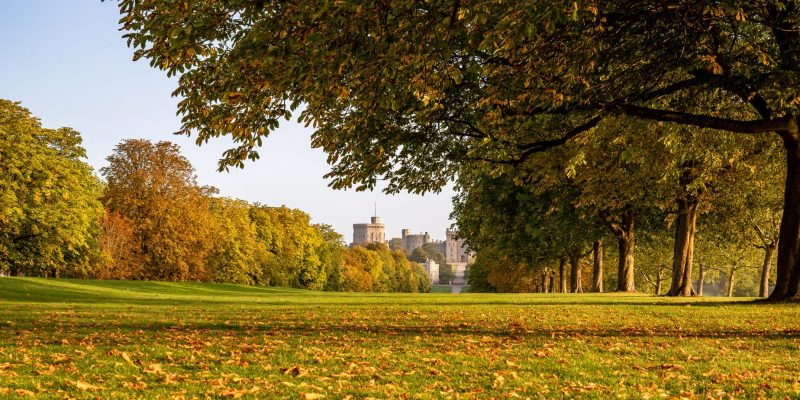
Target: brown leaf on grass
46, 370
153, 369
81, 385
670, 366
135, 385
498, 382
313, 396
125, 356
24, 392
59, 358
233, 393
237, 393
296, 371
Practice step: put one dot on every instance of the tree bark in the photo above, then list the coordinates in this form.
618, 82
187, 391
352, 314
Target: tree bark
562, 270
552, 284
625, 243
701, 279
730, 282
576, 285
788, 270
544, 282
658, 282
683, 250
597, 270
766, 268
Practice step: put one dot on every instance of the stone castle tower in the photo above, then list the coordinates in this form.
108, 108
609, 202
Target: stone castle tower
455, 249
411, 241
373, 232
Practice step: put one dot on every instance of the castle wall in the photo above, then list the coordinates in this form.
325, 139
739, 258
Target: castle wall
412, 242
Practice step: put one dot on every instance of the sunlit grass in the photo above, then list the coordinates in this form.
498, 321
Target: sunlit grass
108, 339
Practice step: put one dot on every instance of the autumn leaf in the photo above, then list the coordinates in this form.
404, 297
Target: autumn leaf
127, 358
24, 392
296, 371
81, 385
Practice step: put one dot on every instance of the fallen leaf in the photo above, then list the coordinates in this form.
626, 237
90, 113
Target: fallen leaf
85, 386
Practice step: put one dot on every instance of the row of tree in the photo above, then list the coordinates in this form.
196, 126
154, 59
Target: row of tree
652, 190
148, 218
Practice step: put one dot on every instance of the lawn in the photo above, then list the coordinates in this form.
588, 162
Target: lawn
109, 339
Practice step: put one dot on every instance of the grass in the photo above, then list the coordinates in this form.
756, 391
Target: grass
110, 339
441, 289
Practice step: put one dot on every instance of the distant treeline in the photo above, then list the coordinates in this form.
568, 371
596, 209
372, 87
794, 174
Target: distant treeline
148, 218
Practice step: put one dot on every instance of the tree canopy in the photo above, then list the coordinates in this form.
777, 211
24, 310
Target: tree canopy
49, 207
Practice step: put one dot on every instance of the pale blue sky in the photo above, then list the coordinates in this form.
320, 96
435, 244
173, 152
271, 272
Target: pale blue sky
65, 60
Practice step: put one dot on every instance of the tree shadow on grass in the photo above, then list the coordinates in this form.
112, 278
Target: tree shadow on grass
334, 331
137, 293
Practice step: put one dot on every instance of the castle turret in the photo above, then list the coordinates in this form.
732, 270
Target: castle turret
373, 232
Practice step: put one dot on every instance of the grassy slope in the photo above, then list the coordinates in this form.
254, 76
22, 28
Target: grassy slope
111, 339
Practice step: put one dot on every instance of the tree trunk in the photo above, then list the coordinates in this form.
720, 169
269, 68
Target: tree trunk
552, 279
684, 247
766, 268
597, 270
730, 282
701, 279
544, 282
658, 282
562, 270
788, 270
625, 242
576, 285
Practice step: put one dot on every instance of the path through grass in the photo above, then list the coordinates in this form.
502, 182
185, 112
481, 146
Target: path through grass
108, 339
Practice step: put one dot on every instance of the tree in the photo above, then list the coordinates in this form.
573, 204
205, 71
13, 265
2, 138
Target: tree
597, 266
49, 208
494, 272
655, 257
330, 256
527, 226
153, 186
465, 81
429, 251
375, 268
293, 245
236, 252
120, 248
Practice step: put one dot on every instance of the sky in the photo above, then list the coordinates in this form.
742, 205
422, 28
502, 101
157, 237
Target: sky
65, 61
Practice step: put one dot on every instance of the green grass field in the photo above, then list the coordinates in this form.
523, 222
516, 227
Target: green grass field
109, 339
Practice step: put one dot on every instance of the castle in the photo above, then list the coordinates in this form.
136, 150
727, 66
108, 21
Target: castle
454, 250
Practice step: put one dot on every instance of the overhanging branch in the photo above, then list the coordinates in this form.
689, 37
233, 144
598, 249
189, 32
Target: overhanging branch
782, 124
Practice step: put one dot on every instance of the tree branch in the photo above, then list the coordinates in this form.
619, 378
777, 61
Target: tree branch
672, 88
25, 237
541, 145
782, 124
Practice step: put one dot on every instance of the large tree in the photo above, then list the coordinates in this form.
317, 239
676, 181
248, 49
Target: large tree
153, 187
49, 207
407, 90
